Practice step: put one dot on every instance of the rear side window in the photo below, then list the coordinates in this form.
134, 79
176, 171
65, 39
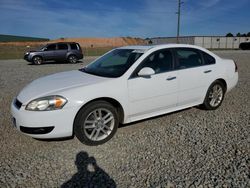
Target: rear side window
188, 58
73, 47
208, 59
62, 47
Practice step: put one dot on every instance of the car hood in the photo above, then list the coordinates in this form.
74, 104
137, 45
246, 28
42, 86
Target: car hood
32, 51
51, 84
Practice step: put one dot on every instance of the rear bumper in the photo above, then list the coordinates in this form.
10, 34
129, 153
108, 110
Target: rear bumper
80, 56
232, 81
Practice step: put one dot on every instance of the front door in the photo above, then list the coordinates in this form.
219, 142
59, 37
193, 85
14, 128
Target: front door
49, 52
157, 92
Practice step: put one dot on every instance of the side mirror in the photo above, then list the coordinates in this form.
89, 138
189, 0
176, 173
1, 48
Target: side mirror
146, 72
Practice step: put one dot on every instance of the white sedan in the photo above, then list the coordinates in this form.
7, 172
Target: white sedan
122, 86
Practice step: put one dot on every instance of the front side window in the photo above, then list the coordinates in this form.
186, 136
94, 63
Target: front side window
51, 47
160, 61
113, 64
188, 58
62, 47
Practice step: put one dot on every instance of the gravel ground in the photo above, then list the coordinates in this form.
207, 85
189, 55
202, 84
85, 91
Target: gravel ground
190, 148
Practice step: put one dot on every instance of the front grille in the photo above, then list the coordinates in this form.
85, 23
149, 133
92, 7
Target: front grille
18, 104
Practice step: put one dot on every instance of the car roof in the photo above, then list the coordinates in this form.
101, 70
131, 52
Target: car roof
63, 43
145, 48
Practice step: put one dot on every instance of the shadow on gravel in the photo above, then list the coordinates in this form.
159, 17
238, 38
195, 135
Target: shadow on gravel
89, 174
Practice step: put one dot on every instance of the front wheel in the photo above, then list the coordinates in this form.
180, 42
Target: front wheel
37, 60
96, 123
214, 96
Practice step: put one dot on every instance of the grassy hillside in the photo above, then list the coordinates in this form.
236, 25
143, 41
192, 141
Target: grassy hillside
17, 52
90, 46
12, 38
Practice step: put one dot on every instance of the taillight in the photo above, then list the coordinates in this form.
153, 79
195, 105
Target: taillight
236, 67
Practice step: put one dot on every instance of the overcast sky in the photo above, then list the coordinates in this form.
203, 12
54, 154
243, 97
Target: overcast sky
111, 18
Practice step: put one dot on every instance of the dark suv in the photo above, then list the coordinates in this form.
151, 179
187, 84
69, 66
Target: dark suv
245, 46
62, 51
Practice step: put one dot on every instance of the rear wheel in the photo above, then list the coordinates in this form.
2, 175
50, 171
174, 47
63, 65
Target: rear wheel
72, 59
96, 123
37, 60
214, 96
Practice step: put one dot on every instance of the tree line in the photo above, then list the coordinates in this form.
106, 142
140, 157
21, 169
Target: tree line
238, 35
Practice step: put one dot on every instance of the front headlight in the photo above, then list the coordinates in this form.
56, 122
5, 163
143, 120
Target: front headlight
54, 102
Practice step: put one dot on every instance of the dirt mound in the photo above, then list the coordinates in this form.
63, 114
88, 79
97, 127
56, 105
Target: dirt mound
104, 42
87, 42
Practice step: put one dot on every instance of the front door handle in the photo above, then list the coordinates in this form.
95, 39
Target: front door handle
207, 71
171, 78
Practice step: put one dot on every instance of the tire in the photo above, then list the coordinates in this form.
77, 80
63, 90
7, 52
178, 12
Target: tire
72, 59
37, 60
90, 127
214, 96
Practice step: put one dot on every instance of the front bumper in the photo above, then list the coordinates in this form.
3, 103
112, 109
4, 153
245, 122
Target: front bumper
27, 57
44, 124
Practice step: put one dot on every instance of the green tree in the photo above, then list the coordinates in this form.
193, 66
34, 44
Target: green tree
229, 35
248, 34
238, 35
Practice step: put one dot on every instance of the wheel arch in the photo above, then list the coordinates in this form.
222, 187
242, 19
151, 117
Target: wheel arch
37, 55
110, 100
223, 82
69, 54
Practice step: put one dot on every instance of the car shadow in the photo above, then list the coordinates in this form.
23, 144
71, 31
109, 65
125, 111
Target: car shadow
55, 139
89, 174
56, 62
122, 125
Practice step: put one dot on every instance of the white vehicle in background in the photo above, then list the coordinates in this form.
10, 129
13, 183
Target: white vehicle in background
124, 85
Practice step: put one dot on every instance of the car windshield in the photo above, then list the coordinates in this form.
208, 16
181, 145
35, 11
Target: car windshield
113, 64
42, 48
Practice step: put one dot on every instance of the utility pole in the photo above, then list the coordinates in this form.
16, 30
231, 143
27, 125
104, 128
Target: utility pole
179, 18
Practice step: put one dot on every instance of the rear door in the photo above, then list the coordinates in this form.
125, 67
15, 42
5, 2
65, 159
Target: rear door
61, 52
194, 75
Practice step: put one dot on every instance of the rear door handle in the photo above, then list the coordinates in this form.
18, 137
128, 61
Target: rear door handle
207, 71
171, 78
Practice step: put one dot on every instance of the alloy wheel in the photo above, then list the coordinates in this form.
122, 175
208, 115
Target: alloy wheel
72, 59
216, 95
99, 124
37, 60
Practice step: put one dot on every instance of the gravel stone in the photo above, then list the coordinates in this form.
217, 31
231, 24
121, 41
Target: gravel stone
188, 148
